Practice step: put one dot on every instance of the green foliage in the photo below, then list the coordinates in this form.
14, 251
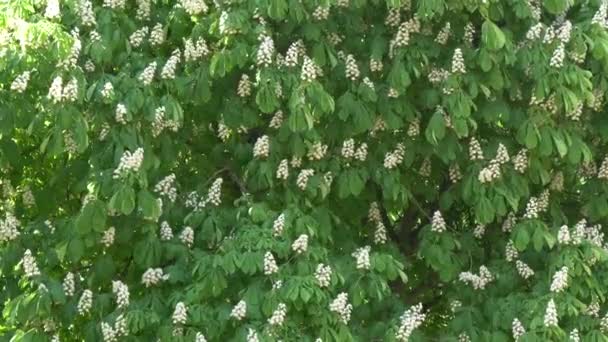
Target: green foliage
196, 166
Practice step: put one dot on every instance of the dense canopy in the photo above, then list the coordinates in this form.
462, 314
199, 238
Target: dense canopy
303, 170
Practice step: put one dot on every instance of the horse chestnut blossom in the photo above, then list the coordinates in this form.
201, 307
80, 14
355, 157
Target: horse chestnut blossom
298, 170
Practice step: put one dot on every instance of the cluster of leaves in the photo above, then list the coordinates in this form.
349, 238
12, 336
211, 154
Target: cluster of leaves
386, 74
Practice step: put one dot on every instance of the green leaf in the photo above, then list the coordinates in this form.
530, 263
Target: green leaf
560, 143
75, 249
484, 211
93, 217
123, 200
491, 36
557, 6
435, 131
521, 237
148, 205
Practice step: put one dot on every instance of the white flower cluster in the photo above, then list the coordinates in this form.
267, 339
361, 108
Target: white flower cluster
168, 70
239, 311
71, 59
107, 91
214, 196
187, 236
278, 225
361, 256
137, 38
523, 269
438, 223
28, 197
85, 303
425, 168
557, 59
563, 235
560, 280
444, 34
341, 306
270, 264
402, 37
463, 337
475, 151
200, 337
574, 336
120, 326
469, 34
550, 319
114, 4
375, 65
108, 333
321, 13
601, 16
85, 11
277, 120
478, 281
265, 51
180, 314
532, 208
603, 171
520, 161
323, 275
438, 75
517, 329
153, 276
121, 291
166, 233
510, 251
195, 50
278, 316
458, 66
69, 286
107, 239
52, 9
300, 245
295, 162
454, 173
352, 70
317, 151
68, 141
479, 231
564, 32
56, 90
129, 162
380, 233
393, 17
120, 114
28, 262
20, 82
593, 309
303, 177
261, 148
252, 336
147, 75
160, 122
194, 7
166, 187
294, 52
244, 87
157, 35
283, 170
394, 158
310, 70
535, 32
411, 319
